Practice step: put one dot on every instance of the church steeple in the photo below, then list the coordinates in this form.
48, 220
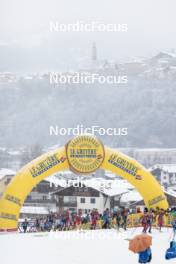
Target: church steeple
94, 52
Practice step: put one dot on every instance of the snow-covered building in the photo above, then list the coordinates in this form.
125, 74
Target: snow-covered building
163, 59
8, 77
5, 177
81, 197
40, 198
164, 173
130, 197
91, 193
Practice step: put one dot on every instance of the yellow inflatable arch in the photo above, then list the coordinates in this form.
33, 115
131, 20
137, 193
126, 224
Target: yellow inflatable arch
83, 154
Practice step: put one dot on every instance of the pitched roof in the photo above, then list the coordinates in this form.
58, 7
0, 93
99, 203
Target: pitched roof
171, 168
6, 172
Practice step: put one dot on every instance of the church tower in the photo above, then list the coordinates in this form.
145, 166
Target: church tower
94, 52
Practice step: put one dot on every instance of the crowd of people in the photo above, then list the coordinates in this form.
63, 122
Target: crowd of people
92, 219
157, 218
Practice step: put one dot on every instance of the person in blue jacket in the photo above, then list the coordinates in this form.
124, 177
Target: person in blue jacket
145, 256
171, 252
25, 225
106, 219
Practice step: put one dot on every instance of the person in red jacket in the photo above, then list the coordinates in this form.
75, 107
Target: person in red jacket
67, 219
144, 220
161, 219
94, 218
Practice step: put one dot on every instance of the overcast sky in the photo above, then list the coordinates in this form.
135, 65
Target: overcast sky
24, 30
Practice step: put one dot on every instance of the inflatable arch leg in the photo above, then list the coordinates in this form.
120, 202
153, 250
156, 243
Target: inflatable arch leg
144, 182
23, 183
109, 159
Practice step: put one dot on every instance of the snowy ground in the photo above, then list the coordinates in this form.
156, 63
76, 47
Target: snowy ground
78, 247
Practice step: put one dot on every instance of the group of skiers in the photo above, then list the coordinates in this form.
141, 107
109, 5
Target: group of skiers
150, 217
156, 218
90, 219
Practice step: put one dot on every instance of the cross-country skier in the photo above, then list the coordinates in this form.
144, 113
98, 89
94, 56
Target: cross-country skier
161, 218
124, 215
25, 225
144, 220
118, 219
150, 219
106, 219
